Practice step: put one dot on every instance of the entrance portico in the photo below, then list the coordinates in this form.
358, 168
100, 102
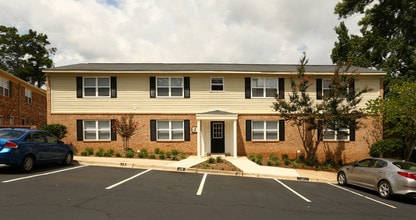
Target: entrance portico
216, 133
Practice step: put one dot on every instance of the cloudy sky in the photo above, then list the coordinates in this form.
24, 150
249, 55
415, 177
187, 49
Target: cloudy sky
180, 31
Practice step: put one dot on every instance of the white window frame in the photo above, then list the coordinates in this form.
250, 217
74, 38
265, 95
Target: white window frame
217, 84
96, 87
264, 131
336, 134
28, 96
264, 87
170, 130
170, 87
4, 87
97, 130
11, 120
326, 86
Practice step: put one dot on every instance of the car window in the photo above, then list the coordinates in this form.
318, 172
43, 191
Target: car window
364, 163
379, 164
10, 134
51, 139
405, 165
37, 137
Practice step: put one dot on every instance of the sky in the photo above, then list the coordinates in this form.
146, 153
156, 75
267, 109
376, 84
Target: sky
180, 31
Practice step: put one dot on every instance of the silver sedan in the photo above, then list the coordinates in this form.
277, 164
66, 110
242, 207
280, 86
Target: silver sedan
387, 176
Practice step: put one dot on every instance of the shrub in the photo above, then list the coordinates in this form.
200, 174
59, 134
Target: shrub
87, 151
168, 154
129, 153
161, 155
152, 156
143, 153
218, 160
118, 154
393, 147
100, 152
183, 156
57, 129
109, 153
175, 152
211, 160
157, 150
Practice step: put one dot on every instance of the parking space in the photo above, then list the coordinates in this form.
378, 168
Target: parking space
107, 193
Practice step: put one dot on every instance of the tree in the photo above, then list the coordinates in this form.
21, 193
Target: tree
337, 111
388, 36
399, 112
57, 129
25, 55
125, 127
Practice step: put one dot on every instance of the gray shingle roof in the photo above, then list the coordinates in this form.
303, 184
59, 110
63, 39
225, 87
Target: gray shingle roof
203, 67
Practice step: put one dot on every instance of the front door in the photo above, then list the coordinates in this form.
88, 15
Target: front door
217, 137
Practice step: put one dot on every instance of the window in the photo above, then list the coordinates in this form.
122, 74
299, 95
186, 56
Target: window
217, 84
11, 120
28, 96
265, 130
169, 87
262, 88
326, 85
97, 87
51, 139
4, 87
170, 130
333, 135
97, 130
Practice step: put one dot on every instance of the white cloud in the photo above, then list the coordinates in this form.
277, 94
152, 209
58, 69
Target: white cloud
226, 31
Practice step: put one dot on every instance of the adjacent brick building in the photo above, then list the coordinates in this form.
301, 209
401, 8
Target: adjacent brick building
22, 104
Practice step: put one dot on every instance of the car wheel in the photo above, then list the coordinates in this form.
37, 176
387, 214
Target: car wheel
28, 163
384, 189
342, 178
68, 159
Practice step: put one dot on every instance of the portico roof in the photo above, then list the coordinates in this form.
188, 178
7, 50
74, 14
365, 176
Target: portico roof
217, 115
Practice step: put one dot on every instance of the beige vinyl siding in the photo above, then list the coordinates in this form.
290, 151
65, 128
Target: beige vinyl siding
133, 95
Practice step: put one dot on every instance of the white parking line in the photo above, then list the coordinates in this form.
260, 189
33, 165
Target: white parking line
42, 174
201, 185
128, 179
293, 191
361, 195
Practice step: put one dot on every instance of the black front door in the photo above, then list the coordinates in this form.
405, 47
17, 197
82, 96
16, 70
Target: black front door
217, 137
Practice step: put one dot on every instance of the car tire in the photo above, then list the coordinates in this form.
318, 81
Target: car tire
68, 159
27, 163
342, 178
384, 189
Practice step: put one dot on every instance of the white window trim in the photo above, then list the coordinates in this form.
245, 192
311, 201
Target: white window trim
4, 87
264, 88
170, 130
170, 87
336, 134
96, 87
28, 96
217, 84
97, 130
264, 130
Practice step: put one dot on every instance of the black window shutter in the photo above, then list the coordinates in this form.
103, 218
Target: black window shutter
79, 87
152, 130
352, 131
10, 88
187, 87
113, 87
152, 87
247, 86
281, 88
80, 131
187, 131
113, 132
281, 130
318, 89
248, 130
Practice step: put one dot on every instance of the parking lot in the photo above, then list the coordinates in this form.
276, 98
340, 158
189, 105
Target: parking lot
93, 192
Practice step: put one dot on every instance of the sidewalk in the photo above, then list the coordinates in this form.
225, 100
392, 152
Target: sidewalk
248, 167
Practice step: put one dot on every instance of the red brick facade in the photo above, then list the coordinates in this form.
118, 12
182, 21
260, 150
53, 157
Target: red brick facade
18, 111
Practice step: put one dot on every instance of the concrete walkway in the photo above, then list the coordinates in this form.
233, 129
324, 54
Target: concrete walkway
248, 167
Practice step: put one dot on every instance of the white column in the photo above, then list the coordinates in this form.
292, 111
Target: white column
198, 135
235, 138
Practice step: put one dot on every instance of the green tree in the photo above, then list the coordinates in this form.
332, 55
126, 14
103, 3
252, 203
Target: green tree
388, 36
125, 127
399, 112
337, 111
25, 55
57, 129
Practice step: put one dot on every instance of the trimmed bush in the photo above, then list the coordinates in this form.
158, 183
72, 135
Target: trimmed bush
393, 147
